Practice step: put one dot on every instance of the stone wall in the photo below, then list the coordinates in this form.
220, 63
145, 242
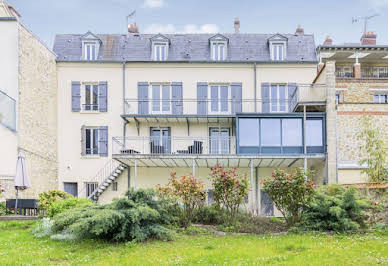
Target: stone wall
37, 115
358, 90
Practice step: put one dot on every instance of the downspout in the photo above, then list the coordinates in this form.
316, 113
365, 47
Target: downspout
255, 85
125, 121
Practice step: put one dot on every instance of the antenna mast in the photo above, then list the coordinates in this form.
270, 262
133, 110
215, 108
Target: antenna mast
365, 18
130, 15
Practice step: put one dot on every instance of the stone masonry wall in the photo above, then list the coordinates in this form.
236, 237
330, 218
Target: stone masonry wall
37, 115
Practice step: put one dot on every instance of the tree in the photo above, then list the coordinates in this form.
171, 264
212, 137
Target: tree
373, 151
290, 192
230, 189
188, 190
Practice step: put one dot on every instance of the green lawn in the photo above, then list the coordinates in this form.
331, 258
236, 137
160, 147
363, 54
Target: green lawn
18, 246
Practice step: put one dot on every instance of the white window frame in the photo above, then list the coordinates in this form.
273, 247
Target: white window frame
92, 132
219, 129
160, 46
90, 187
276, 47
151, 100
216, 47
219, 85
278, 98
382, 97
83, 97
89, 46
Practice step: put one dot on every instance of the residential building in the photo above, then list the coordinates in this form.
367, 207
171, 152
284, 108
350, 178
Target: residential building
360, 87
28, 102
135, 107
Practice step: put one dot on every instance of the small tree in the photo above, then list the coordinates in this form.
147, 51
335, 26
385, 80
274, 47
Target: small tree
230, 189
373, 151
188, 190
290, 192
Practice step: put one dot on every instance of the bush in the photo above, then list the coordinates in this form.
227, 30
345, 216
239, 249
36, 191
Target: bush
211, 215
136, 218
4, 210
57, 207
335, 208
186, 190
290, 192
229, 189
47, 198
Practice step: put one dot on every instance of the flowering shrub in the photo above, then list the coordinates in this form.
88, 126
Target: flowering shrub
187, 190
230, 189
48, 198
2, 190
290, 192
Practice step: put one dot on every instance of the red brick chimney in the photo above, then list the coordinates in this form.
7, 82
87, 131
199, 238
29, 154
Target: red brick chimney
368, 38
328, 41
133, 28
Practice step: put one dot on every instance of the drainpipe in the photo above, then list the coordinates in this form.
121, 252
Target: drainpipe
125, 122
254, 86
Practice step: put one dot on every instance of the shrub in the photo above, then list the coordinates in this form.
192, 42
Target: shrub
137, 217
4, 210
57, 207
335, 209
212, 215
2, 190
47, 198
187, 190
290, 192
229, 189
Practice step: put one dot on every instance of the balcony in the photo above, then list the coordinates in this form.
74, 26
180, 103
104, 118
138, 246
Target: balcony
7, 111
374, 72
312, 96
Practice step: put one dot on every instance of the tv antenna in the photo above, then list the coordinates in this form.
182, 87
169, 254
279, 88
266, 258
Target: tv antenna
130, 15
366, 19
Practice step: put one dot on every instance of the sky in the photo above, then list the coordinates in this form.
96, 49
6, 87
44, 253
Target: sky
45, 18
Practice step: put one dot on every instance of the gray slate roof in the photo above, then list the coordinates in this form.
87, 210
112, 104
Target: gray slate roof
185, 47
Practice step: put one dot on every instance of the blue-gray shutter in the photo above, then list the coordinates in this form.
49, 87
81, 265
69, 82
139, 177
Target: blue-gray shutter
76, 96
103, 141
83, 141
202, 98
265, 97
142, 94
103, 96
177, 98
236, 90
292, 96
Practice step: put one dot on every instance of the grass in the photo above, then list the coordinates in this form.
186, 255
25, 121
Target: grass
19, 247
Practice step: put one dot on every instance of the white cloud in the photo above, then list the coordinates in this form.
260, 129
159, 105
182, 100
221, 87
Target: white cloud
153, 3
188, 28
378, 3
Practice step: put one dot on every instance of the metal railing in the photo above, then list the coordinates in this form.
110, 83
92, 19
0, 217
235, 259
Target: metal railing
374, 72
180, 146
89, 107
308, 94
106, 171
344, 72
7, 111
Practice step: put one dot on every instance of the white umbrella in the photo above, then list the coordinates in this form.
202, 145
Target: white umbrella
22, 181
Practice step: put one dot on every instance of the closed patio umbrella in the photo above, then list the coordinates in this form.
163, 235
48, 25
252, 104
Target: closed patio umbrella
22, 181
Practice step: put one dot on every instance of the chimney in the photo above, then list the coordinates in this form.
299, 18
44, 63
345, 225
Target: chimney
236, 25
299, 30
133, 28
328, 41
368, 38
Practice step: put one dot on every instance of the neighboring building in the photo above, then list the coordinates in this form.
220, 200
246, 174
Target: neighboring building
360, 87
134, 107
28, 102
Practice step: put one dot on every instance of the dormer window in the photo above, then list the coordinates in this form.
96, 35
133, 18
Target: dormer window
278, 47
90, 46
160, 45
218, 47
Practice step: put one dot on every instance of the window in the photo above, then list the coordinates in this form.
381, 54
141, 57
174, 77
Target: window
160, 51
278, 98
219, 98
114, 186
160, 140
161, 98
337, 98
218, 51
91, 141
249, 132
380, 98
219, 141
277, 51
90, 188
270, 132
71, 188
314, 133
344, 71
90, 97
90, 51
292, 132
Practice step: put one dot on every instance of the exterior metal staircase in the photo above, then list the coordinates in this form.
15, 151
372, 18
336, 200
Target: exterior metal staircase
103, 179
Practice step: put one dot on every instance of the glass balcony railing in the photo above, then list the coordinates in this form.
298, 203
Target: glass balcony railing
7, 111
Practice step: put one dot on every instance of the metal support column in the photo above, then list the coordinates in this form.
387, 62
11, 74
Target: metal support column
304, 139
252, 189
193, 167
135, 175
